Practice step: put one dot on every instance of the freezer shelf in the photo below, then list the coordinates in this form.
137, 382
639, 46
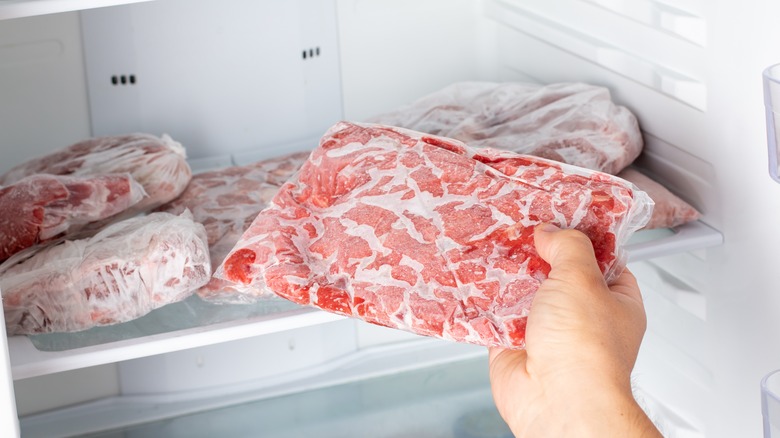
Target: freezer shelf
194, 323
426, 387
161, 331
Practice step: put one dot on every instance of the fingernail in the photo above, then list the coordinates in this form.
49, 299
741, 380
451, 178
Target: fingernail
549, 228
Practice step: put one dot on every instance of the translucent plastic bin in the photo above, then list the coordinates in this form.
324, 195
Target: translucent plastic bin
772, 105
770, 404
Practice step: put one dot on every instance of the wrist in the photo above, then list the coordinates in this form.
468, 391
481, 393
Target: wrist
589, 410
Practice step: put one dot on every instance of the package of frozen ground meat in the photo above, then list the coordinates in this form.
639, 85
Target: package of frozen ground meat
426, 234
669, 210
157, 163
40, 208
125, 271
574, 123
226, 201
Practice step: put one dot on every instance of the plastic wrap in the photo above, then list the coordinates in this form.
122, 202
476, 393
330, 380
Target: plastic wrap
426, 234
573, 123
40, 208
158, 164
670, 210
226, 201
121, 273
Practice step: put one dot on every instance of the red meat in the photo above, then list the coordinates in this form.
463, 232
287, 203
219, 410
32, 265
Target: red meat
123, 272
40, 208
573, 123
226, 201
158, 164
669, 210
426, 234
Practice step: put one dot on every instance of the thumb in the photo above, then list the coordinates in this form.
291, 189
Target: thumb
569, 253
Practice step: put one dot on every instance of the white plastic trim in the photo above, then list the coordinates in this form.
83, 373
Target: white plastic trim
29, 8
9, 423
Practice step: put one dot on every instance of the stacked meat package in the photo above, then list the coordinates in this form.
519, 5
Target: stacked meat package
76, 260
420, 220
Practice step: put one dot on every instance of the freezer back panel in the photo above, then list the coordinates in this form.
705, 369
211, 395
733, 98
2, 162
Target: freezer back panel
217, 77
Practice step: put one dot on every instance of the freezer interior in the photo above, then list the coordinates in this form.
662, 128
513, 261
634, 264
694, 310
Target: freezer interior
237, 81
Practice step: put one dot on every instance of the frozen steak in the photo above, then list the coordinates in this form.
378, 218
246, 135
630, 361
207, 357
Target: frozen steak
158, 164
40, 208
573, 123
426, 234
669, 210
226, 201
123, 272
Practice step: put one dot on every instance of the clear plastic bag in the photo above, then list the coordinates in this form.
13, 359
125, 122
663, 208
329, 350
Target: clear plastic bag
226, 201
158, 164
573, 123
40, 208
669, 211
123, 272
426, 234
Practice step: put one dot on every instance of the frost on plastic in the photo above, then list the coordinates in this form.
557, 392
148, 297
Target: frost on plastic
573, 123
40, 208
226, 201
426, 234
158, 164
121, 273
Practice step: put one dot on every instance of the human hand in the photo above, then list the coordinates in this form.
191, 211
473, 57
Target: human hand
582, 341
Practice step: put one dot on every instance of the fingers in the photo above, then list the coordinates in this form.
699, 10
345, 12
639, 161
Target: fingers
569, 253
626, 284
504, 360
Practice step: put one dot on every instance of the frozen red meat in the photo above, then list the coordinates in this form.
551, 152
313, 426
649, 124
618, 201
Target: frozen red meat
573, 123
669, 210
158, 164
123, 272
40, 208
226, 201
426, 234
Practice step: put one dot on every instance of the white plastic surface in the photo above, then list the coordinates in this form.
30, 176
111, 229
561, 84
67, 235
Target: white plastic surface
28, 361
772, 107
770, 404
233, 363
657, 243
360, 366
29, 8
209, 83
9, 423
610, 55
661, 15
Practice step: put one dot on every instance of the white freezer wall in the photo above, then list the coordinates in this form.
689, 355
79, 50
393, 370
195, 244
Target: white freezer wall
381, 68
43, 99
395, 51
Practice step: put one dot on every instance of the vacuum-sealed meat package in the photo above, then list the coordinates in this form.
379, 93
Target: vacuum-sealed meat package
573, 123
40, 208
125, 271
226, 201
158, 164
425, 233
669, 210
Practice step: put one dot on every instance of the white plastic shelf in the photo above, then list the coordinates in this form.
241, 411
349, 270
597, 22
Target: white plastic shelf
446, 367
29, 8
648, 244
170, 331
